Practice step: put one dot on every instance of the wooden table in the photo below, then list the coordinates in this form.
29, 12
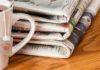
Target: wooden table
86, 56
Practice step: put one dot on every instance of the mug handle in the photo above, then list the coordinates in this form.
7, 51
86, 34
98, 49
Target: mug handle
18, 16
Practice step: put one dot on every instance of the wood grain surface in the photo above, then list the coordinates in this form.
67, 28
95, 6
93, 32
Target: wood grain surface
85, 57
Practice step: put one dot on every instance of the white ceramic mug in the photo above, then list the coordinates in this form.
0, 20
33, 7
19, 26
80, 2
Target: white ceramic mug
7, 20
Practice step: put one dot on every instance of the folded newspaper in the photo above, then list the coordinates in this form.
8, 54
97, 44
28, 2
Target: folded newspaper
50, 31
44, 31
58, 10
62, 49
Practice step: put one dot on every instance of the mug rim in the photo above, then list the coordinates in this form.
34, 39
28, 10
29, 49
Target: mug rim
6, 10
11, 7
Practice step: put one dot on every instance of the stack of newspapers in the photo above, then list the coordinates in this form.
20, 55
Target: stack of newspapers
60, 25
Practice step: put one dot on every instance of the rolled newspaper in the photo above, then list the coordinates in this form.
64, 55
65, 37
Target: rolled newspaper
65, 48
